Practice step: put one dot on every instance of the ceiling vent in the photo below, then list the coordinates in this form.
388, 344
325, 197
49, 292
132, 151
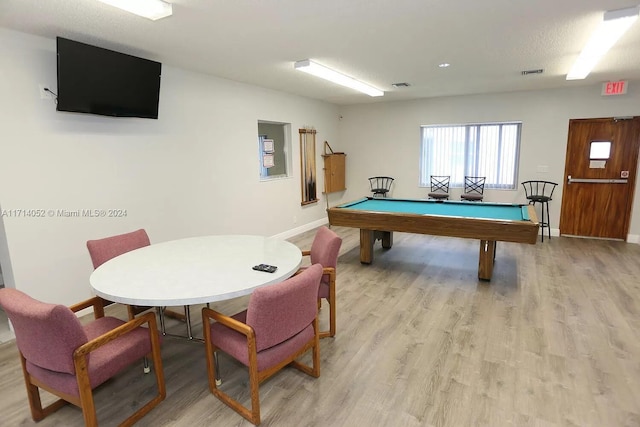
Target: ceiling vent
400, 84
527, 72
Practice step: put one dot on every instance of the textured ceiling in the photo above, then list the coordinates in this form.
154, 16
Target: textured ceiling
488, 43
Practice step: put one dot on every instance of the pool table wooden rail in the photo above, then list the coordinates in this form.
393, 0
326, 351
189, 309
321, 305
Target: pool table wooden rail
439, 225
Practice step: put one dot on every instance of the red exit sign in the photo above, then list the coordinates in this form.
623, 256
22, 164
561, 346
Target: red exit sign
614, 88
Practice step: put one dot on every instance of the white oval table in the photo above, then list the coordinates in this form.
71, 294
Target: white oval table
194, 270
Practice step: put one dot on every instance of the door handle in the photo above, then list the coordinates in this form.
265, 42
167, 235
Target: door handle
596, 181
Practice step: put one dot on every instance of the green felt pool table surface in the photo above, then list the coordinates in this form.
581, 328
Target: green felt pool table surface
499, 211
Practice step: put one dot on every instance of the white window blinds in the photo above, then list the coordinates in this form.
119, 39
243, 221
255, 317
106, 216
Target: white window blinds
489, 149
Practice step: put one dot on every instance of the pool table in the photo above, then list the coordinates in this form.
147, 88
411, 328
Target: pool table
489, 222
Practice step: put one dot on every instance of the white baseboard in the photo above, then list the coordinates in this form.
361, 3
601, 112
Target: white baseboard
301, 229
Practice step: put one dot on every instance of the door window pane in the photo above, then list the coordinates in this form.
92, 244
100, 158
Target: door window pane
600, 150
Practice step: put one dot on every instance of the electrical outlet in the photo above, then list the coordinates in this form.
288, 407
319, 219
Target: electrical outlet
44, 94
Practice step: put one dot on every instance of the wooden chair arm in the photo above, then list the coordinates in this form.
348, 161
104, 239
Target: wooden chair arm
328, 270
106, 338
230, 322
96, 302
325, 270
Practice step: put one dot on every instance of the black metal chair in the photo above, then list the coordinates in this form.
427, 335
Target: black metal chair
473, 188
380, 185
540, 192
439, 187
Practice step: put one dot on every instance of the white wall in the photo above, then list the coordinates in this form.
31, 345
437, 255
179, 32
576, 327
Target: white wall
384, 139
194, 171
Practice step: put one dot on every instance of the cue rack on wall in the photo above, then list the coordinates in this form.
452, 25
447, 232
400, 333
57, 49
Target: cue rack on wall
308, 165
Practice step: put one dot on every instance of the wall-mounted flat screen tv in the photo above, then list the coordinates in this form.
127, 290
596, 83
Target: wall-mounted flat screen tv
101, 81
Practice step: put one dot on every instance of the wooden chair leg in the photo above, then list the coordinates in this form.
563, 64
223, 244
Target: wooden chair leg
34, 402
252, 415
332, 308
314, 369
254, 384
209, 349
328, 333
332, 311
316, 349
33, 394
86, 393
38, 413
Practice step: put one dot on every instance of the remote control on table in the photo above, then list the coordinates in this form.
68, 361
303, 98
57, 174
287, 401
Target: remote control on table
265, 267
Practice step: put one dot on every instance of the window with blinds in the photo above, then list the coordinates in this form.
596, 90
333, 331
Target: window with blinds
487, 149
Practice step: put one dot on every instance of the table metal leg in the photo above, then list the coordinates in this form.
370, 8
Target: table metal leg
187, 315
215, 361
161, 316
187, 318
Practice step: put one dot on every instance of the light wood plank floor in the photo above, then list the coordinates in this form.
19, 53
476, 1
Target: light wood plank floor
552, 340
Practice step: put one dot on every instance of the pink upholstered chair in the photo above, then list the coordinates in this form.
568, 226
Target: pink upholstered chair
60, 355
279, 325
102, 250
324, 251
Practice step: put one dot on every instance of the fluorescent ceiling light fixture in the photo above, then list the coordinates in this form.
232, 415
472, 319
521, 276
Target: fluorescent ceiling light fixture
308, 66
151, 9
612, 27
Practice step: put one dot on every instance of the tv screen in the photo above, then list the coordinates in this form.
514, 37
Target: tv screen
100, 81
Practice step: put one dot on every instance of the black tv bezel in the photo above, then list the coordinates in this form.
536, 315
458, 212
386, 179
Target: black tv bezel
125, 111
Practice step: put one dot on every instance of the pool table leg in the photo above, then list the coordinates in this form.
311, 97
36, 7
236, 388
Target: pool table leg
487, 258
368, 238
366, 246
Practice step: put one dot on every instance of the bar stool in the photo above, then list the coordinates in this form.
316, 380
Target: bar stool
473, 188
439, 187
540, 192
380, 185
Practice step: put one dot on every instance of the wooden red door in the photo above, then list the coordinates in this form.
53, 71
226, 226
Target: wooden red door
599, 177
